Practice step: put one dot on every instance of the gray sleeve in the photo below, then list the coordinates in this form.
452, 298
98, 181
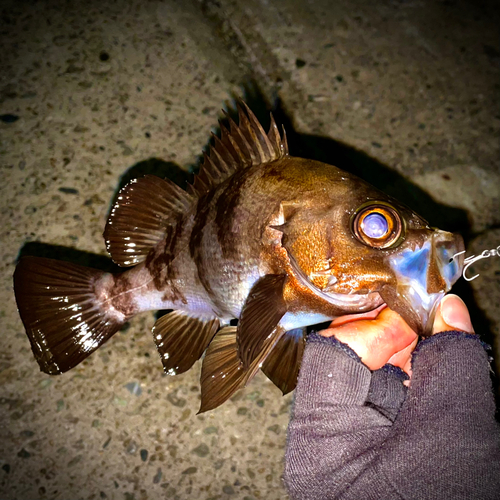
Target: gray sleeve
356, 434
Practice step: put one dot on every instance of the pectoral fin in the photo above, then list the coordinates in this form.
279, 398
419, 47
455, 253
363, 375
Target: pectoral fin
181, 340
283, 363
263, 309
222, 372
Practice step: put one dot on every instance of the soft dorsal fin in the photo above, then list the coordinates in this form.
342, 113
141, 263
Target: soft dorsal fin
241, 146
139, 219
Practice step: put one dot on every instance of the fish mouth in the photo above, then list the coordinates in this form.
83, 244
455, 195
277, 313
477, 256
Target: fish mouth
423, 276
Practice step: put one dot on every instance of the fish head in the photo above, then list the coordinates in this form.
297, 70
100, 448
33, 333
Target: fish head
364, 248
421, 263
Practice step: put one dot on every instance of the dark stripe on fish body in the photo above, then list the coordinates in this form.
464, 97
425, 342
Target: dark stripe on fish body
196, 240
226, 207
276, 174
155, 263
161, 266
170, 254
120, 299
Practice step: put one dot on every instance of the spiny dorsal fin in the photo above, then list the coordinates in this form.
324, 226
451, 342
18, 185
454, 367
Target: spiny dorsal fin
143, 210
241, 146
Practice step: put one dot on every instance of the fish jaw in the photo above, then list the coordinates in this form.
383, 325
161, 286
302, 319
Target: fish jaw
335, 304
424, 274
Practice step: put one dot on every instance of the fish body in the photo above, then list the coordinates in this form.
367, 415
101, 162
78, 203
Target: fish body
275, 241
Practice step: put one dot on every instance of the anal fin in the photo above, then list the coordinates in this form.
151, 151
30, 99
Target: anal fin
223, 373
181, 340
283, 363
263, 309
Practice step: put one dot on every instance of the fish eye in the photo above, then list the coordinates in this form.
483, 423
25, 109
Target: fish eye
377, 225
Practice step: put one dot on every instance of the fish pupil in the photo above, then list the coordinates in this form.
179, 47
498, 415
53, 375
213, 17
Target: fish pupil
375, 225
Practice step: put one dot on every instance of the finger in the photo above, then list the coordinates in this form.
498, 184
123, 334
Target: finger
349, 318
396, 339
375, 340
452, 314
402, 358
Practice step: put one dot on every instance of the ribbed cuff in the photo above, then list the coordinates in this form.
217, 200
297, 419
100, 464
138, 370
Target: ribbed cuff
331, 374
333, 341
387, 391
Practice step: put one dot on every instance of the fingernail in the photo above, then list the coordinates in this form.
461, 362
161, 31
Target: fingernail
455, 313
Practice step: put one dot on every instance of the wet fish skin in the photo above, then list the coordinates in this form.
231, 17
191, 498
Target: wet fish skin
270, 239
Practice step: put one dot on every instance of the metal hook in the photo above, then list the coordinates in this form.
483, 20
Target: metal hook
470, 260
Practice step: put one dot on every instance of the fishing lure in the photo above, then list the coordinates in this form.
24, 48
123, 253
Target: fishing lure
468, 261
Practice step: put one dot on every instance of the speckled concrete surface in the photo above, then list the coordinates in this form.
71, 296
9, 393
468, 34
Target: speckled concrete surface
88, 92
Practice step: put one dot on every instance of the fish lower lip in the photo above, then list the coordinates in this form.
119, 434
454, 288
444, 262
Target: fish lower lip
353, 302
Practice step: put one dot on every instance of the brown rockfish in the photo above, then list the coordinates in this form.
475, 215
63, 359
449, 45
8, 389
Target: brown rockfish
276, 241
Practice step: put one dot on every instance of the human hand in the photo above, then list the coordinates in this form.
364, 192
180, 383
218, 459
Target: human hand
382, 336
452, 314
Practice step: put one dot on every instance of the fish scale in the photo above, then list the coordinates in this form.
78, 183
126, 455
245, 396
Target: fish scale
275, 241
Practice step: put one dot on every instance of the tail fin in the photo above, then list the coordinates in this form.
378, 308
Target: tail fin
63, 317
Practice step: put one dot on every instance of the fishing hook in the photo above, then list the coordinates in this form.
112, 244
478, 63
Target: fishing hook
473, 258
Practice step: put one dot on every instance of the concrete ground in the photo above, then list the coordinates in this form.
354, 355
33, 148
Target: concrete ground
405, 93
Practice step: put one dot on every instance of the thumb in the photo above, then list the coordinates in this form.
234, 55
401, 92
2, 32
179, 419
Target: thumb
452, 314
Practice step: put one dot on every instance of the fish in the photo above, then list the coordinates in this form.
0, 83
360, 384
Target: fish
273, 241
